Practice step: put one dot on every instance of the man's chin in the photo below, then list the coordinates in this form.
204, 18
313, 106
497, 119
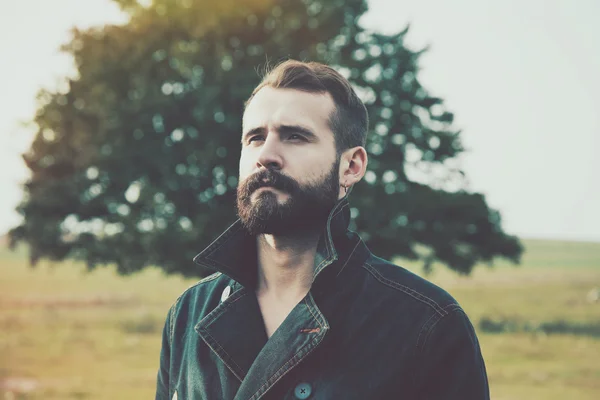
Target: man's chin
274, 219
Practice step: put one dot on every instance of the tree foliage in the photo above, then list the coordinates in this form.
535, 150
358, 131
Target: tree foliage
136, 163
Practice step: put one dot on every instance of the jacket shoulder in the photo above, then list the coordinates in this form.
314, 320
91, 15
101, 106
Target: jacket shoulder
207, 283
197, 300
411, 286
209, 278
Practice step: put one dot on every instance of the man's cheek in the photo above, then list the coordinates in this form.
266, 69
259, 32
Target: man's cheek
243, 176
245, 165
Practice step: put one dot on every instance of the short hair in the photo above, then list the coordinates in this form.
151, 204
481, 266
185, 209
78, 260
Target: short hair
349, 121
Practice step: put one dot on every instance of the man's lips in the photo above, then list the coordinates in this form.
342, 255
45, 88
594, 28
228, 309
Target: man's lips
271, 188
268, 187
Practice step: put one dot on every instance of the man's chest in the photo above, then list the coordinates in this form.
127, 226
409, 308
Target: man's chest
339, 368
346, 355
274, 312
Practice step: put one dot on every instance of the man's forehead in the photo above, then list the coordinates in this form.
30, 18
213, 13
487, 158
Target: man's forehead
271, 106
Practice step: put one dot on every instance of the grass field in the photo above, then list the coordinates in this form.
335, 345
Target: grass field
70, 334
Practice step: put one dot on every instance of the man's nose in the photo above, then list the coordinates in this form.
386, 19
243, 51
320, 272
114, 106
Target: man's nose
270, 154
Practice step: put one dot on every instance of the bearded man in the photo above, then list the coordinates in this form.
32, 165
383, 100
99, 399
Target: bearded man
299, 307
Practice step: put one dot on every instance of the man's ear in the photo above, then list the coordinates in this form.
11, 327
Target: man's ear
353, 166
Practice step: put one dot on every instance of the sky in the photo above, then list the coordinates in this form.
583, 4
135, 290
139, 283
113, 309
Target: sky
521, 77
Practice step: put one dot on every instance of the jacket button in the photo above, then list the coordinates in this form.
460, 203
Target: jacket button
226, 293
303, 391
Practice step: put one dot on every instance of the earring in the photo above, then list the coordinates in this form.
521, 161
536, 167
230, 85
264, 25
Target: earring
345, 188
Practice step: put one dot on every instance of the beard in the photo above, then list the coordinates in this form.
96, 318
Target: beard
306, 208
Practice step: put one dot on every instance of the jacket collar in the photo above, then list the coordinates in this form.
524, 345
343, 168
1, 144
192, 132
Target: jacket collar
233, 253
256, 361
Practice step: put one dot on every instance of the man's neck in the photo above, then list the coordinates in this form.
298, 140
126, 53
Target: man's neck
285, 265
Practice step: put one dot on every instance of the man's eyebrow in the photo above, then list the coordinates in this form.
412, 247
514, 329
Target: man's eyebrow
282, 129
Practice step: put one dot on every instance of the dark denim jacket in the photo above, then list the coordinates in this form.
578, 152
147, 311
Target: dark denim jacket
367, 329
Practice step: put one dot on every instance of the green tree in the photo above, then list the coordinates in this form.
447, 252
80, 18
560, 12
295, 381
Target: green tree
136, 163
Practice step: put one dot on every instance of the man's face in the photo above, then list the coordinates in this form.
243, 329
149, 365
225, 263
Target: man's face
289, 171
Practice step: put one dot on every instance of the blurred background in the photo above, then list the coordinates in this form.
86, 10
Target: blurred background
120, 123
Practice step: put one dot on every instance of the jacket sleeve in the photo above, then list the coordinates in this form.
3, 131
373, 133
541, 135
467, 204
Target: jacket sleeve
451, 364
162, 380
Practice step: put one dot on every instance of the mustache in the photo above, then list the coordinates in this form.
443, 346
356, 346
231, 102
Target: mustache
272, 178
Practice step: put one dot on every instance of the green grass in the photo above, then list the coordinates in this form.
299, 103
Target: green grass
66, 333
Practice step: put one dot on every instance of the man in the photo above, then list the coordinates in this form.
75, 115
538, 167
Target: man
299, 308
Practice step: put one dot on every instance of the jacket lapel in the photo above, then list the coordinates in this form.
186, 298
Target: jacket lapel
299, 334
236, 334
235, 331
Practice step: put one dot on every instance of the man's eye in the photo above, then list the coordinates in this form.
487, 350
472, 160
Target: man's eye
254, 138
294, 136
